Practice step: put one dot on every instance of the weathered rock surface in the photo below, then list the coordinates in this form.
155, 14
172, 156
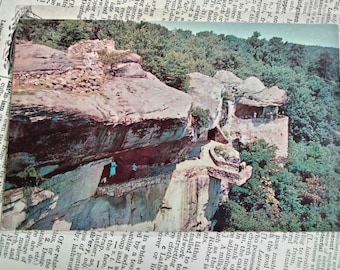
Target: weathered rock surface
252, 91
207, 93
130, 70
74, 188
272, 96
184, 198
125, 114
249, 117
203, 186
70, 137
79, 69
23, 207
251, 85
35, 57
71, 126
273, 132
227, 77
190, 196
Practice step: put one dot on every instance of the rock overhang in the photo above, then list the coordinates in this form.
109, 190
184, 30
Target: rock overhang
272, 96
138, 101
130, 111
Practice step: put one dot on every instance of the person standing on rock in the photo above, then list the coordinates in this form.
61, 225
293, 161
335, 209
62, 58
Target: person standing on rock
134, 169
276, 112
242, 166
113, 168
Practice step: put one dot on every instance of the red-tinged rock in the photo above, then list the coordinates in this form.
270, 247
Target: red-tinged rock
35, 57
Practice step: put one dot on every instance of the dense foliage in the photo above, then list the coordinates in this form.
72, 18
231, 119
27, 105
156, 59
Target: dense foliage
111, 59
304, 195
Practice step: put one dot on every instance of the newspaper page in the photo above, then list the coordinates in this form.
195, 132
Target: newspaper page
163, 250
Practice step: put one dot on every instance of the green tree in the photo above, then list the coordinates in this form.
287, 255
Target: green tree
273, 54
111, 59
323, 66
295, 55
71, 32
256, 45
200, 117
31, 176
173, 69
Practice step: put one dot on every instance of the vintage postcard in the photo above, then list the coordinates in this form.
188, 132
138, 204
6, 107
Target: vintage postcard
173, 126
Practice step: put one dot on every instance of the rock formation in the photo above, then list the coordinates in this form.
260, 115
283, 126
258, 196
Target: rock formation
255, 112
207, 93
70, 118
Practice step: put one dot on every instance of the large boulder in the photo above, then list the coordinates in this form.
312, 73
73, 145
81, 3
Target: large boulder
25, 206
228, 77
69, 129
272, 96
206, 93
252, 97
35, 57
251, 86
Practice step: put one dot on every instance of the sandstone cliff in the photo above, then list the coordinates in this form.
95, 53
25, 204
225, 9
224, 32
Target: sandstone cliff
70, 118
255, 112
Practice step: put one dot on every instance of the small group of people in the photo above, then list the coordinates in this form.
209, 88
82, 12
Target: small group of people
114, 165
269, 113
270, 116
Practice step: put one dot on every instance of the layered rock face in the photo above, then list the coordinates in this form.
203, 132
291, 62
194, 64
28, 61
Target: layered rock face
255, 112
206, 93
61, 128
63, 132
70, 118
